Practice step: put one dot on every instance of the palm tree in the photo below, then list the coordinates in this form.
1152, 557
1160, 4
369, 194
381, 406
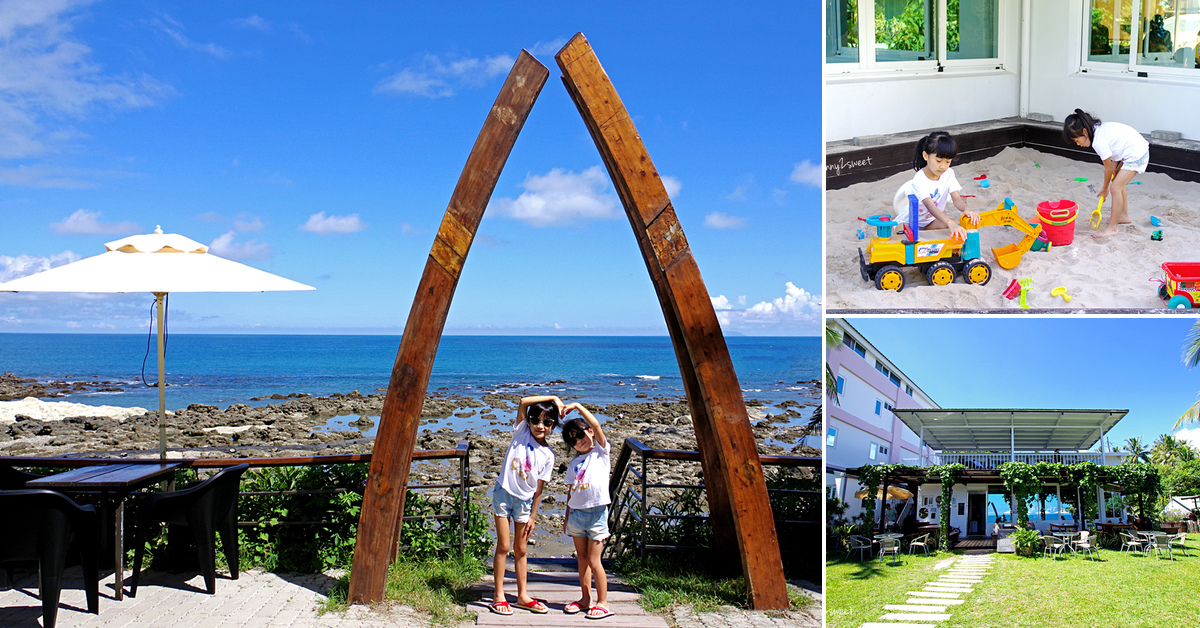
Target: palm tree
1191, 357
1166, 449
833, 339
1137, 449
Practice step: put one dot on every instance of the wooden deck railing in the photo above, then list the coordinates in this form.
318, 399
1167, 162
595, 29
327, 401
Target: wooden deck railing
632, 501
461, 453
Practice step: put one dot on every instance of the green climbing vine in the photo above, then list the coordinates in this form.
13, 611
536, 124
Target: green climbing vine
1141, 479
948, 474
1022, 480
870, 477
1084, 476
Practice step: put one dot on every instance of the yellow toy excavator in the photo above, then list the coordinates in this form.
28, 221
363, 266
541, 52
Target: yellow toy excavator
1009, 256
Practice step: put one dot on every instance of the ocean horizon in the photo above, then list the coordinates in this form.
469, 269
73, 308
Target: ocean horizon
224, 369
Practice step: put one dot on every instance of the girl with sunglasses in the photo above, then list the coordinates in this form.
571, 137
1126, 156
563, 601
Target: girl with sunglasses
518, 493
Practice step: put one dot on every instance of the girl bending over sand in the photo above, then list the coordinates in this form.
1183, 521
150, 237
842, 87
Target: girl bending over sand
1124, 151
934, 185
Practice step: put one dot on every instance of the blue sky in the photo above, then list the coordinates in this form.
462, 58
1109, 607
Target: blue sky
323, 144
1073, 362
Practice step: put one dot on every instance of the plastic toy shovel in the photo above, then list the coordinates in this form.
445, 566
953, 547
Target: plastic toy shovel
1096, 214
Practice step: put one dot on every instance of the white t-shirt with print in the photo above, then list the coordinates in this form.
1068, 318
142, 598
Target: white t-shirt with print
587, 477
923, 187
526, 462
1119, 142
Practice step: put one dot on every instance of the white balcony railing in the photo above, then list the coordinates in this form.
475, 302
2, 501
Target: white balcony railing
973, 460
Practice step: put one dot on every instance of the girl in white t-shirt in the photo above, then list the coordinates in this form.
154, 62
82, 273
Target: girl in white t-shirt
528, 464
587, 507
934, 185
1125, 153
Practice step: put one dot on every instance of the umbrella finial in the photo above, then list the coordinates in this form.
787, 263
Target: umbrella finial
158, 229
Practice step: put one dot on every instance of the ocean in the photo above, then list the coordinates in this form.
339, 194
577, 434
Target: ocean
222, 370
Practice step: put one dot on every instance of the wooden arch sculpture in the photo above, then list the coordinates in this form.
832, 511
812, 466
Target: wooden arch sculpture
737, 495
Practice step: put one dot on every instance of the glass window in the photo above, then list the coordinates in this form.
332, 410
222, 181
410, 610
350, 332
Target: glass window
874, 451
860, 350
971, 29
831, 437
1168, 33
908, 389
841, 31
1111, 22
895, 380
881, 368
904, 30
878, 406
841, 385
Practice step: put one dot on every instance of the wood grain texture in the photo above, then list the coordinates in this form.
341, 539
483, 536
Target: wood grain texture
383, 499
723, 430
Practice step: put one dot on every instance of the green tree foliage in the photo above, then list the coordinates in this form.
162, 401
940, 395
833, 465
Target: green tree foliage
1137, 449
1191, 357
1183, 479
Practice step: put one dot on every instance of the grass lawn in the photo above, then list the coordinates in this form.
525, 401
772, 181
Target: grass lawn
1115, 590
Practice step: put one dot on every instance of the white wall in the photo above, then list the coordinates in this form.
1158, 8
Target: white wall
1057, 87
859, 398
903, 101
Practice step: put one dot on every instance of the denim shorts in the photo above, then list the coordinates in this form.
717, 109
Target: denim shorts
505, 505
1137, 165
589, 522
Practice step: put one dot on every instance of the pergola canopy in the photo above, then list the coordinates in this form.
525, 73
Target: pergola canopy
949, 429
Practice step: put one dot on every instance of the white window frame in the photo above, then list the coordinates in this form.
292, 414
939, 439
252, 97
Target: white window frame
873, 453
831, 437
867, 64
1130, 68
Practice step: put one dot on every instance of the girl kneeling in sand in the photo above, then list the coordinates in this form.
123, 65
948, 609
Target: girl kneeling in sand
528, 464
934, 185
587, 507
1124, 151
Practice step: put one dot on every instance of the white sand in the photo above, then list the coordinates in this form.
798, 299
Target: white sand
59, 410
1116, 272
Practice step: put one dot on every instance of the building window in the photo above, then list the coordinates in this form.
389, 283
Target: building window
1159, 34
874, 451
910, 34
831, 437
878, 408
841, 384
883, 449
909, 390
889, 407
895, 380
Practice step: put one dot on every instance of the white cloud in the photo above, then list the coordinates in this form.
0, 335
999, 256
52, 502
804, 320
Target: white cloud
438, 78
86, 222
720, 303
562, 197
23, 265
548, 48
174, 30
807, 173
224, 246
779, 196
1189, 434
248, 223
320, 223
49, 78
796, 309
738, 193
672, 185
254, 22
719, 220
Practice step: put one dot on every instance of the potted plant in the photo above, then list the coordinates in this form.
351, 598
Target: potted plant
1024, 541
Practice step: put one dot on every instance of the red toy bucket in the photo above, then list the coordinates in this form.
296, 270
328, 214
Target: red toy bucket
1058, 221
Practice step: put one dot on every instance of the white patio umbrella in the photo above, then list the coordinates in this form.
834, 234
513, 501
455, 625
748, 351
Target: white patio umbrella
158, 263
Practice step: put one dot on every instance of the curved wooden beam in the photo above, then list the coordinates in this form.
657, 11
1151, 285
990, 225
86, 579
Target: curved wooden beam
383, 499
733, 475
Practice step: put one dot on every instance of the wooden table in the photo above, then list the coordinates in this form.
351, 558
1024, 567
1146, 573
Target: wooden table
111, 484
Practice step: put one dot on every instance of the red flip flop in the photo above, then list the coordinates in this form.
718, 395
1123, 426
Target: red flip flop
501, 608
572, 608
533, 606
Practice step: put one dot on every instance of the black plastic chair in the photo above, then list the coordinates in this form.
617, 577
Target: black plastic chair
206, 508
14, 480
45, 527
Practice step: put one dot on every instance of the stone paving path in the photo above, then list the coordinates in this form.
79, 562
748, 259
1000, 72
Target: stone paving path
938, 598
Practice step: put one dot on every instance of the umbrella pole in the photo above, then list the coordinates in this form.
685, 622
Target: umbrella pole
162, 384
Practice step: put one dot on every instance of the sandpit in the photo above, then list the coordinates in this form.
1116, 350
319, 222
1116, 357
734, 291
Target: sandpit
1122, 271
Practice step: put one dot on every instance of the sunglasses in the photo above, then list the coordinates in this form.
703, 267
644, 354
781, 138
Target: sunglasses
550, 423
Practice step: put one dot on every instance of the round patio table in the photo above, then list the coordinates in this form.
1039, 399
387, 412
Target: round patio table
1067, 537
889, 535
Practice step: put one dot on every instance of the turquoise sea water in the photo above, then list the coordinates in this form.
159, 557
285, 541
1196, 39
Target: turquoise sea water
225, 369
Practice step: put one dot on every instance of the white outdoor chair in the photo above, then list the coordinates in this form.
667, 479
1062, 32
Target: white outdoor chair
1083, 544
1160, 543
1131, 541
1180, 541
922, 542
1054, 545
858, 544
889, 546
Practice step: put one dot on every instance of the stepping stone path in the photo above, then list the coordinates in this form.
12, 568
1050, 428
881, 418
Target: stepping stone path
938, 598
